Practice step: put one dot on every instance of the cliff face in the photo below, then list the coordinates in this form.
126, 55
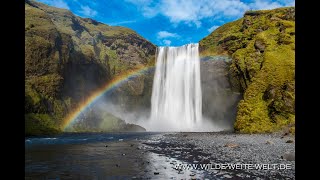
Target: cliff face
66, 57
262, 47
219, 98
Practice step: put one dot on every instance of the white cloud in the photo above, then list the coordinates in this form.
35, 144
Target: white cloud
149, 8
57, 3
87, 11
212, 28
167, 42
259, 4
192, 12
166, 34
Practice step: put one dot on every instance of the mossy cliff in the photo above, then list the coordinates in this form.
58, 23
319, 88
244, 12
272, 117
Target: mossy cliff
262, 47
67, 57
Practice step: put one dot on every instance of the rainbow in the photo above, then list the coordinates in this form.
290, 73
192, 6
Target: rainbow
107, 87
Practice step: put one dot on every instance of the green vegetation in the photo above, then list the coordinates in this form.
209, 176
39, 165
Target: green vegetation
67, 58
36, 124
262, 47
211, 45
106, 123
110, 122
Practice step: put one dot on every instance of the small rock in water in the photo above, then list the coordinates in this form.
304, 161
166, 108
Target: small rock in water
131, 145
289, 141
227, 176
156, 173
231, 145
286, 133
106, 145
220, 173
288, 156
240, 175
269, 142
215, 171
117, 165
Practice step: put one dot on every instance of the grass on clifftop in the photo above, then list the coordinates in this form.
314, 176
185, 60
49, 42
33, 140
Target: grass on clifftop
262, 47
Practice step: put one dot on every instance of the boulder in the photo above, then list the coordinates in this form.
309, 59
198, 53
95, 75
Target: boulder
288, 156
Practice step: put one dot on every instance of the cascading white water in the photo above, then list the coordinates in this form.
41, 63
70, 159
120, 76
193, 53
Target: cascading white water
176, 102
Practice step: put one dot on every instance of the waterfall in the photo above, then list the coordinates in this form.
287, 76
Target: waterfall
176, 102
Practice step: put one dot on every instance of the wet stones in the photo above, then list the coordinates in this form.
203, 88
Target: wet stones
289, 141
289, 156
269, 142
231, 145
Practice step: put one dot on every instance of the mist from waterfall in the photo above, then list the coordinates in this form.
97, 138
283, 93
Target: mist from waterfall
176, 102
188, 94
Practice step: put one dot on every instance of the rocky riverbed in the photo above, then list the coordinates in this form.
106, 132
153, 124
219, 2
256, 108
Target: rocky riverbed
159, 156
220, 149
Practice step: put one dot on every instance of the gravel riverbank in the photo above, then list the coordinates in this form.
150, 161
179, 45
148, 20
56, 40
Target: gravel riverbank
159, 156
219, 149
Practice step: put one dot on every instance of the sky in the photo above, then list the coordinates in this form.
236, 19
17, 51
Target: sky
167, 22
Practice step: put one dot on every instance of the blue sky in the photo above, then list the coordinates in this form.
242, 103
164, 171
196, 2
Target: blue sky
167, 22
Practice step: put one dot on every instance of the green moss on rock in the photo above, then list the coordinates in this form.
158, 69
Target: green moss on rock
68, 57
261, 45
36, 124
